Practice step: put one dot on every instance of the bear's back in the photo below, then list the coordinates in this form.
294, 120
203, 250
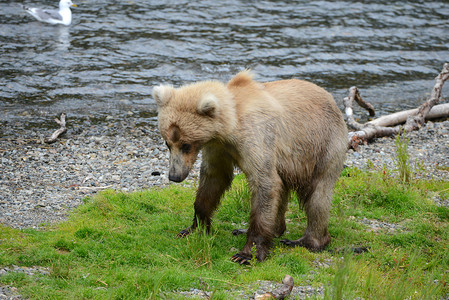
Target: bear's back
303, 99
293, 100
296, 123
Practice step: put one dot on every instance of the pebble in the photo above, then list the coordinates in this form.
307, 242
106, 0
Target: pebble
376, 225
257, 289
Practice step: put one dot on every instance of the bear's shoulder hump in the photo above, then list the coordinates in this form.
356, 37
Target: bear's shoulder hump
242, 79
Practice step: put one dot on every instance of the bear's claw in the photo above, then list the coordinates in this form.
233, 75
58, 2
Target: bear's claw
238, 258
239, 231
302, 243
291, 243
183, 233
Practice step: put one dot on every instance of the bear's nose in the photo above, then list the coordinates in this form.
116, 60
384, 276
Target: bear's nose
175, 178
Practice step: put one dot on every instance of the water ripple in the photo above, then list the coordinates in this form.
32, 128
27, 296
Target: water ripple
113, 53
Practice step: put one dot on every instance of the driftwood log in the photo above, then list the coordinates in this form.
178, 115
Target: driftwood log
57, 133
281, 292
381, 127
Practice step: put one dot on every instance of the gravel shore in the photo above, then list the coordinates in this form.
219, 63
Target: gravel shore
41, 183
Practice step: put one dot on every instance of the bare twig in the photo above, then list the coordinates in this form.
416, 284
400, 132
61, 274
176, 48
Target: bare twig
102, 282
57, 133
354, 95
358, 98
416, 121
95, 187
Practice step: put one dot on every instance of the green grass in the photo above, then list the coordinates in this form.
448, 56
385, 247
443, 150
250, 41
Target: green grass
123, 246
401, 158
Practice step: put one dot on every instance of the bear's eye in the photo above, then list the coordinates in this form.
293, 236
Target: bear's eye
185, 148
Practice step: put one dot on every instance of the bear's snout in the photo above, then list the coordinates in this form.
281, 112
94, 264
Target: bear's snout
178, 170
175, 177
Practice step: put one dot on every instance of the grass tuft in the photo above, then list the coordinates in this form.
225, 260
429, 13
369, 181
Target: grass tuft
401, 158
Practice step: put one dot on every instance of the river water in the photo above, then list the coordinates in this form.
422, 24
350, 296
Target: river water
107, 61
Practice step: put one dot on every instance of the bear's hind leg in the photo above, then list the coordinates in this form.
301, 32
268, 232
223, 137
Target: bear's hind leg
265, 205
317, 206
280, 219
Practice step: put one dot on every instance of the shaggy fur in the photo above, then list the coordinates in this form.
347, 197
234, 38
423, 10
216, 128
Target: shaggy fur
284, 135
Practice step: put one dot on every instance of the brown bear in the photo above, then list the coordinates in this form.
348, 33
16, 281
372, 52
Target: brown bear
286, 135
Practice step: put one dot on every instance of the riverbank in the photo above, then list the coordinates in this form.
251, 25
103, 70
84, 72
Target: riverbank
41, 183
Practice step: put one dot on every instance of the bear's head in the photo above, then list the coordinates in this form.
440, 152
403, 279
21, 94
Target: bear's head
190, 117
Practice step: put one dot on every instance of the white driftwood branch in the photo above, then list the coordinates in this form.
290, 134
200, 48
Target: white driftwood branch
414, 118
438, 111
57, 133
414, 122
354, 95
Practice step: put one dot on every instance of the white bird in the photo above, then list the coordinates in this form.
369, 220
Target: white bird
62, 16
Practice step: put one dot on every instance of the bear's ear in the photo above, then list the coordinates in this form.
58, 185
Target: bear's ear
208, 105
162, 94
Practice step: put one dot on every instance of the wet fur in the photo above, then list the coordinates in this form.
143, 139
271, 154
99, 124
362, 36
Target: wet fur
285, 136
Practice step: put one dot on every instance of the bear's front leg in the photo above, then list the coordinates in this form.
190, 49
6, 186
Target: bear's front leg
201, 216
216, 174
265, 205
